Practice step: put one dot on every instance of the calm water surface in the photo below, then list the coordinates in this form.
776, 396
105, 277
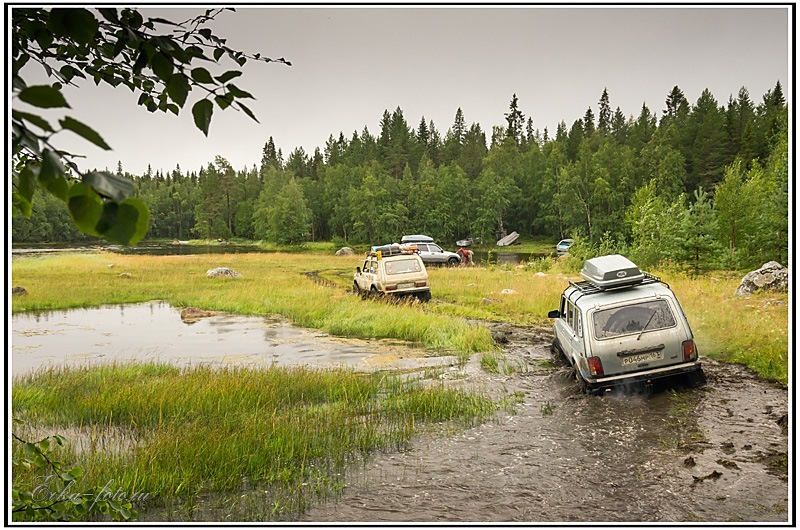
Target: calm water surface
155, 332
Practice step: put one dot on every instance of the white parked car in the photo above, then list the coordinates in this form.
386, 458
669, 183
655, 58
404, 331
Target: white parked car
563, 246
622, 325
430, 252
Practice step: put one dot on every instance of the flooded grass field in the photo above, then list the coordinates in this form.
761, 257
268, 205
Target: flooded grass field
719, 453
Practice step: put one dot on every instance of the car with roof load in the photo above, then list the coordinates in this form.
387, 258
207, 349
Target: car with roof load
392, 270
621, 326
430, 252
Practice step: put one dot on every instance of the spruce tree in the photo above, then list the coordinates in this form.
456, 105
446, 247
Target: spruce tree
604, 117
516, 121
588, 123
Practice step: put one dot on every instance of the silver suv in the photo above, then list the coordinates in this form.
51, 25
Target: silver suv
430, 252
622, 326
390, 269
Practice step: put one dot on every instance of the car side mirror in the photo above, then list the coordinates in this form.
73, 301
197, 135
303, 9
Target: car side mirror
358, 270
555, 313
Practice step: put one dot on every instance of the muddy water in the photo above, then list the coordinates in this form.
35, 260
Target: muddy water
712, 454
154, 331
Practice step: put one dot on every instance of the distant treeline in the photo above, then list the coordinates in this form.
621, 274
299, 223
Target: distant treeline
705, 183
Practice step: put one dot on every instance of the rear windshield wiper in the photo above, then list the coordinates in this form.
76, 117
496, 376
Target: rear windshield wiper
647, 324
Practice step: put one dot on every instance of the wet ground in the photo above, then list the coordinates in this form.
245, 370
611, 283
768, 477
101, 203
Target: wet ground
717, 453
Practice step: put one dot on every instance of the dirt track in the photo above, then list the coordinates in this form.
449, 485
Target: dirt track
717, 453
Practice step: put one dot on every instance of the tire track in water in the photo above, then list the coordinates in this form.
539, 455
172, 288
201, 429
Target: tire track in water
672, 455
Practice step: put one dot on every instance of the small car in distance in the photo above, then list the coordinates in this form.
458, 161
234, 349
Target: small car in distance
430, 252
394, 270
563, 246
622, 326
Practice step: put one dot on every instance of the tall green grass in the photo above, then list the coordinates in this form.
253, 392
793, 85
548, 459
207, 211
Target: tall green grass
192, 431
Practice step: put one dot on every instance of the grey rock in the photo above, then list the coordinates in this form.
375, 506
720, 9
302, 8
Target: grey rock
19, 291
223, 272
772, 276
345, 251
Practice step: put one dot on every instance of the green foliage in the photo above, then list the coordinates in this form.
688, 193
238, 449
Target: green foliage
630, 179
289, 217
44, 489
118, 49
697, 228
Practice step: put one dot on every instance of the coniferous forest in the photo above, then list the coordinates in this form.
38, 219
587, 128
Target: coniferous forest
702, 183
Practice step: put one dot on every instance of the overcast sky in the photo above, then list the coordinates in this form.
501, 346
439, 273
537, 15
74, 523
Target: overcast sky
352, 63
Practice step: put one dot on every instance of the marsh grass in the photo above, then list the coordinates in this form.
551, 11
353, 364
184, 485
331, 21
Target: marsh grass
194, 431
750, 330
272, 284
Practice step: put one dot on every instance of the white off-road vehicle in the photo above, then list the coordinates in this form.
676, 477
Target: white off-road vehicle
394, 270
622, 326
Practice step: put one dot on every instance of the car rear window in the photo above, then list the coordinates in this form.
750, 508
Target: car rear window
402, 266
633, 318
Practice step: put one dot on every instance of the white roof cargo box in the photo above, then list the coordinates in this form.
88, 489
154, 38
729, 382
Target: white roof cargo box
417, 238
608, 272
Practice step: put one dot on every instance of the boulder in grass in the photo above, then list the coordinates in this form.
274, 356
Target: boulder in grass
223, 272
18, 291
345, 251
772, 276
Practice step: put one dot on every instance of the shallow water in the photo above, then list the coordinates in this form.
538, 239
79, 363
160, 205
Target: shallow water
719, 453
567, 457
154, 331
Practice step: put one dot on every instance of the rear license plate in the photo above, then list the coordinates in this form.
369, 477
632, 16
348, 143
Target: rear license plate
641, 358
405, 285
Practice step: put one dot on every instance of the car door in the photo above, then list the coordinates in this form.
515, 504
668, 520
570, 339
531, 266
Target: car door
361, 276
436, 253
424, 252
569, 330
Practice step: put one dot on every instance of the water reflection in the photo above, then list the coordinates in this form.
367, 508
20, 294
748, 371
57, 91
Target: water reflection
154, 332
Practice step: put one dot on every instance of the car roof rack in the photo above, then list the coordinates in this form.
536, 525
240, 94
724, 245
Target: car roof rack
383, 251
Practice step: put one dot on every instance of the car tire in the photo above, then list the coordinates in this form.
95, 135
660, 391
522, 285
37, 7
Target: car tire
424, 297
696, 379
583, 385
555, 349
356, 288
453, 262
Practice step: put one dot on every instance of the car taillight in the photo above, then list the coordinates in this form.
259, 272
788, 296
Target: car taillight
391, 287
689, 350
421, 284
595, 366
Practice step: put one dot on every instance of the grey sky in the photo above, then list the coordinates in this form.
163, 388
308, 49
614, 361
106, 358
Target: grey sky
352, 63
